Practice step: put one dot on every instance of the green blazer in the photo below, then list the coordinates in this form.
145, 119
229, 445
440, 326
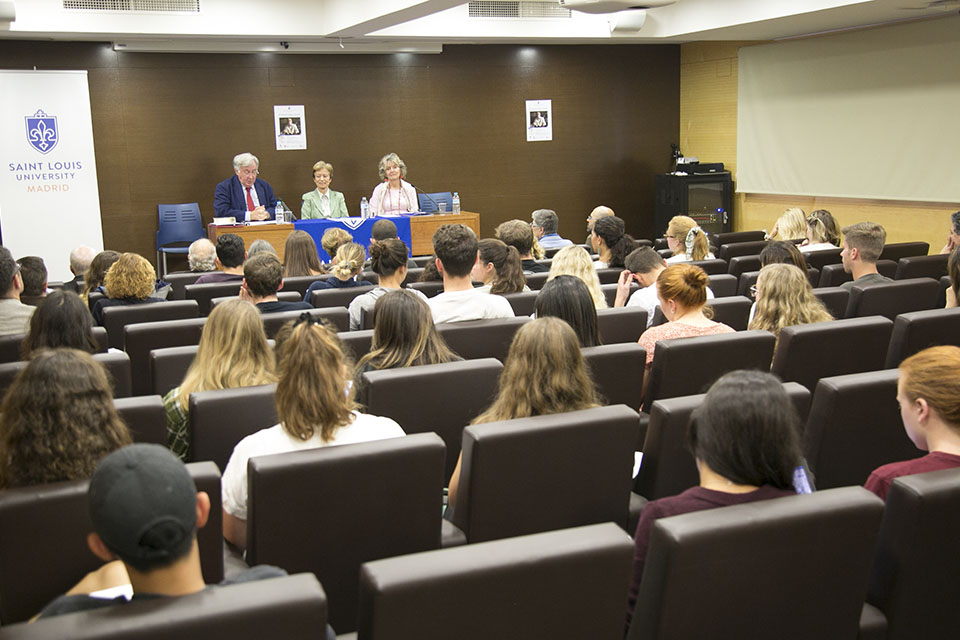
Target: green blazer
310, 207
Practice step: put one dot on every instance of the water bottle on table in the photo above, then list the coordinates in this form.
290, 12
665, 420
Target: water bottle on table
364, 208
456, 202
278, 213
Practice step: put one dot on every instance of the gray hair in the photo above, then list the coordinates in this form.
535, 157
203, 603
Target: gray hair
260, 246
546, 219
955, 222
200, 256
391, 157
80, 259
242, 160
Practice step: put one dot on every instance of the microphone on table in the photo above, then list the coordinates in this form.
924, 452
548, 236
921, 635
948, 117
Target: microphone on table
436, 207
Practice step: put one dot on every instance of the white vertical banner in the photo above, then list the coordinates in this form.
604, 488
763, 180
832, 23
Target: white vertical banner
49, 199
539, 120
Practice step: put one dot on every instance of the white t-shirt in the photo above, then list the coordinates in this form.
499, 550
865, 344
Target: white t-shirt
364, 428
600, 264
646, 298
368, 300
469, 304
682, 257
819, 246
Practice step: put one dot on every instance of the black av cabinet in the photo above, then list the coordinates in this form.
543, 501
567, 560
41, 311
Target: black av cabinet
707, 198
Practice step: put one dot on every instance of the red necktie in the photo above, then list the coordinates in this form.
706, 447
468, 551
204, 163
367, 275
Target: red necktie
250, 205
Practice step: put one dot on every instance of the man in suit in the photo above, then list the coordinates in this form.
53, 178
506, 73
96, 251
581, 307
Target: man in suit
80, 259
244, 196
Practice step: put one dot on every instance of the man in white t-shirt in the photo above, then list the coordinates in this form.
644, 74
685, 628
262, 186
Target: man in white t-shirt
455, 246
643, 265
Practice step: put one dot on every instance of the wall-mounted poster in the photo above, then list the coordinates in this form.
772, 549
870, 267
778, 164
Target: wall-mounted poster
290, 125
539, 120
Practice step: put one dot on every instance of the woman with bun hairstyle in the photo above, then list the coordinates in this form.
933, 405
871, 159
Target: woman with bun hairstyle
347, 265
928, 393
745, 440
499, 268
822, 232
682, 292
316, 408
388, 259
686, 240
611, 242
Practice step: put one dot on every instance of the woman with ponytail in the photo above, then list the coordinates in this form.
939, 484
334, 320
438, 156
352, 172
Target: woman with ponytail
687, 241
499, 268
316, 408
388, 259
347, 265
611, 242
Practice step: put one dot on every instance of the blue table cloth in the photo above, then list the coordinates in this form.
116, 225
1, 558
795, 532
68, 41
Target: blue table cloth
359, 228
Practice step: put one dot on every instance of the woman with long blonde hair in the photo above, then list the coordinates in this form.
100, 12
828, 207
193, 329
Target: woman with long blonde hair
347, 265
822, 232
544, 374
315, 404
686, 240
233, 352
784, 299
791, 225
575, 261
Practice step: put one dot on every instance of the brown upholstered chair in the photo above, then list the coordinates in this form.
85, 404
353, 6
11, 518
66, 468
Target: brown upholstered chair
934, 266
222, 418
668, 467
855, 427
723, 285
458, 392
892, 299
290, 607
336, 316
536, 280
739, 265
609, 275
730, 237
610, 292
688, 366
915, 570
204, 293
44, 552
140, 339
179, 282
422, 260
300, 284
116, 364
833, 275
282, 296
356, 343
712, 266
617, 370
834, 299
808, 352
561, 585
428, 289
621, 324
116, 318
10, 346
481, 338
942, 295
896, 250
770, 579
733, 311
337, 297
917, 330
522, 302
145, 417
818, 259
331, 509
547, 472
168, 366
734, 249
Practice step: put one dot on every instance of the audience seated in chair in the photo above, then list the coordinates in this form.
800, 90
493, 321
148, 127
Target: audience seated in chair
499, 268
782, 252
61, 320
388, 258
822, 232
228, 261
316, 409
745, 438
575, 261
456, 248
545, 223
202, 256
544, 374
79, 263
14, 315
145, 511
682, 292
953, 271
233, 352
567, 298
791, 225
611, 242
129, 280
262, 278
953, 234
927, 393
862, 244
642, 266
784, 299
58, 420
687, 241
332, 240
34, 274
300, 256
519, 235
347, 265
93, 278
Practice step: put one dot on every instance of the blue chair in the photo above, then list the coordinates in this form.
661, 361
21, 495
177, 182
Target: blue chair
177, 223
429, 201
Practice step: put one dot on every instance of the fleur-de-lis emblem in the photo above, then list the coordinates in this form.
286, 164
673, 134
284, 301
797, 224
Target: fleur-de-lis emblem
42, 132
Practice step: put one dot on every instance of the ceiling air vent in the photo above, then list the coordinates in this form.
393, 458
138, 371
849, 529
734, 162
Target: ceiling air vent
178, 6
521, 9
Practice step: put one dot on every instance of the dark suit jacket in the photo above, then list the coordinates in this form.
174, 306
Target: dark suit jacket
230, 199
75, 285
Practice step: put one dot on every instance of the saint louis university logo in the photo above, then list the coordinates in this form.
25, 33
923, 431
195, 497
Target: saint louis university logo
353, 223
42, 131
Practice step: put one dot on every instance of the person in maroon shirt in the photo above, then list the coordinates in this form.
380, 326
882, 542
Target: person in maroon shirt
745, 438
928, 393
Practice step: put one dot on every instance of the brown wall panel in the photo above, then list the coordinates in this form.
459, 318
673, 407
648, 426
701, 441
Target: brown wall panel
167, 125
